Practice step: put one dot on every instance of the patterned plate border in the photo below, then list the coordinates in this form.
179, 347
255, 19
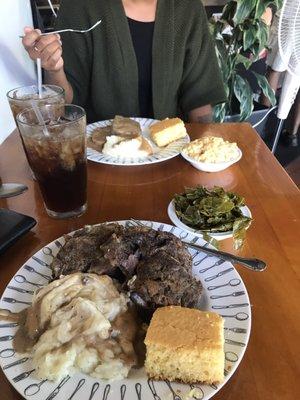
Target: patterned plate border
223, 292
160, 154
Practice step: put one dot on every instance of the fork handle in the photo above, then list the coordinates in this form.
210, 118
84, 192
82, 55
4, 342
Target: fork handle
251, 263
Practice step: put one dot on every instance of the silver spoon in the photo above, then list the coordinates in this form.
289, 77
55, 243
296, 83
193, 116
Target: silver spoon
11, 189
251, 263
70, 30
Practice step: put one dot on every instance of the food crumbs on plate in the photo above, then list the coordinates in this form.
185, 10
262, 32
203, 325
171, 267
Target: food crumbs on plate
195, 394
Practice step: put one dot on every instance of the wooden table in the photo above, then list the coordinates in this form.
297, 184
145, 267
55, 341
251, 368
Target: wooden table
270, 367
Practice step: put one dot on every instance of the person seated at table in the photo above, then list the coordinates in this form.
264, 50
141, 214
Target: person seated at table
148, 58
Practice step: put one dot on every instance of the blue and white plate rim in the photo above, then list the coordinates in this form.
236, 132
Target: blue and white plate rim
215, 275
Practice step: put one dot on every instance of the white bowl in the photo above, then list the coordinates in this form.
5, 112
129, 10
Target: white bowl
211, 167
218, 236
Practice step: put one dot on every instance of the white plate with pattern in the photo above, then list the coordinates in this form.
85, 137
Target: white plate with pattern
159, 153
223, 292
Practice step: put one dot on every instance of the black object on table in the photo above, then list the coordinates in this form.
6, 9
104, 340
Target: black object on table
13, 225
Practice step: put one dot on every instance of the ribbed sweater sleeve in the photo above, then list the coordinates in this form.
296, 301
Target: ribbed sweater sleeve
77, 48
201, 82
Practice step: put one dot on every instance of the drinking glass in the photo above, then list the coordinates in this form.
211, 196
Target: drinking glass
22, 97
54, 138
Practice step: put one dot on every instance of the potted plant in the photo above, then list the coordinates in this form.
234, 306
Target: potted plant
241, 34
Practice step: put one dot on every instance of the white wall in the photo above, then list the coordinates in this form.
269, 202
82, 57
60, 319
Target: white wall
16, 68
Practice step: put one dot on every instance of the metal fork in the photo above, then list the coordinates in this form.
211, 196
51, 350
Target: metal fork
234, 294
251, 263
70, 30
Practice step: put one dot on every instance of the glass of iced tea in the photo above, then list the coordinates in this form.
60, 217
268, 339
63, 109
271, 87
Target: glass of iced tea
22, 97
54, 139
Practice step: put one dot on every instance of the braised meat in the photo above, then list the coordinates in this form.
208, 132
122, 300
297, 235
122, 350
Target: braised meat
154, 266
125, 127
82, 252
160, 281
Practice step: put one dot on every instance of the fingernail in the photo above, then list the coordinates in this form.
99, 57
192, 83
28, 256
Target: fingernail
27, 29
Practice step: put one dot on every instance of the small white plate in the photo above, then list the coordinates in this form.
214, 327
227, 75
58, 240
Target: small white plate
211, 167
218, 236
159, 153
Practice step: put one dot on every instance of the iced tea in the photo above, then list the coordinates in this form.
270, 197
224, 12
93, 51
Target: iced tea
22, 97
56, 153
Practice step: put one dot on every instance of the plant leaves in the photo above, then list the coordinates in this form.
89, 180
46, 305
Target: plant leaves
244, 95
243, 10
265, 87
249, 36
221, 48
219, 112
229, 11
261, 6
262, 34
243, 60
278, 4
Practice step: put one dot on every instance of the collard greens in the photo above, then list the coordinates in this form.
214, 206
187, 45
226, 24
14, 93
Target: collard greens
213, 210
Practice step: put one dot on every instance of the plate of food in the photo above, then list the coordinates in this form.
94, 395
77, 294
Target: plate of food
212, 213
121, 311
135, 141
211, 153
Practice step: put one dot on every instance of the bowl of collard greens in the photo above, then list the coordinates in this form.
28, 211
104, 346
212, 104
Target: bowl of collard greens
211, 213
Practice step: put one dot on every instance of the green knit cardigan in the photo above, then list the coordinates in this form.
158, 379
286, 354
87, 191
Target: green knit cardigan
101, 65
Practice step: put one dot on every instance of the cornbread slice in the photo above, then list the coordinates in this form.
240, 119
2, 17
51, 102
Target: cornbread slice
167, 131
185, 344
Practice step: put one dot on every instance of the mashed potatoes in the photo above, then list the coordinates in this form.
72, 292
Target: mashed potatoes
212, 150
117, 146
80, 322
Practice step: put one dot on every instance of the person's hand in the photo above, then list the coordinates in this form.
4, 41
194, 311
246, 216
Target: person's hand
47, 48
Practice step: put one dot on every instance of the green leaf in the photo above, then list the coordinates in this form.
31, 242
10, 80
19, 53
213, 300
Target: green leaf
243, 10
278, 4
239, 231
243, 60
249, 36
243, 93
262, 34
261, 6
219, 112
221, 48
265, 87
229, 11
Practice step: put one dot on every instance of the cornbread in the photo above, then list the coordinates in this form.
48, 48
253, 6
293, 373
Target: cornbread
212, 150
167, 131
185, 344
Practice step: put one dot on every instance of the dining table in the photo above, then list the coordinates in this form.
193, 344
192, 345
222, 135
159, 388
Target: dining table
270, 368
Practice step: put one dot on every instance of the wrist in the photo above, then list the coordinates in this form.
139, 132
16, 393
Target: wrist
55, 73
